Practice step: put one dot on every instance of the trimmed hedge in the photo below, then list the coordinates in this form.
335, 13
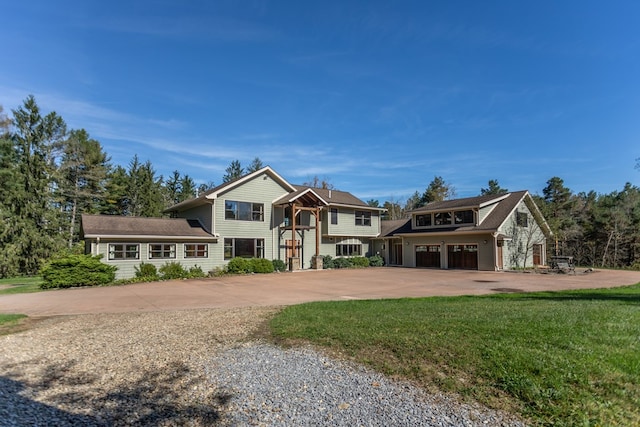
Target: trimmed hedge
376, 261
279, 265
77, 270
261, 265
359, 262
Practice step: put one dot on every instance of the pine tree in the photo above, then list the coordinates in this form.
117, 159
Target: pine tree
81, 179
233, 171
32, 232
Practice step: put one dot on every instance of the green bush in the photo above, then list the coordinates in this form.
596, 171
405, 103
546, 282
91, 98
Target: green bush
146, 271
279, 265
359, 262
239, 265
196, 272
173, 270
327, 262
376, 261
261, 265
77, 270
342, 263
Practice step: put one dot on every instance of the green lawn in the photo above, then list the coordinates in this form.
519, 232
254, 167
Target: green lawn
20, 285
565, 358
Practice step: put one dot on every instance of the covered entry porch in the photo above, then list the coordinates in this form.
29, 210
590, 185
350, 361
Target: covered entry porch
302, 210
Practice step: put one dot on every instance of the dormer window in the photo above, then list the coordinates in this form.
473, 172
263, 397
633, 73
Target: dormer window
463, 217
423, 220
442, 218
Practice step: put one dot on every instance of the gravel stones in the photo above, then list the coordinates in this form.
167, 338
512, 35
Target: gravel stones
198, 368
275, 387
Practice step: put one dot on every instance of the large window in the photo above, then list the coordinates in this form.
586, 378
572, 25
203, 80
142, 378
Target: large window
348, 249
245, 248
243, 211
162, 250
522, 219
442, 218
463, 217
196, 250
423, 220
334, 216
124, 251
363, 218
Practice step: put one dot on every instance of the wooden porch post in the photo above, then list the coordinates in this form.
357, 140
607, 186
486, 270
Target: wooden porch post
294, 250
317, 231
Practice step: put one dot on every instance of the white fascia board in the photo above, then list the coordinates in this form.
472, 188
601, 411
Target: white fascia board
147, 237
443, 233
492, 201
371, 208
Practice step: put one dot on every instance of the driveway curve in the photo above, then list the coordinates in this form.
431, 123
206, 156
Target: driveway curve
299, 287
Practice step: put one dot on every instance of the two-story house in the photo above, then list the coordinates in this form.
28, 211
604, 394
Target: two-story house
257, 215
491, 232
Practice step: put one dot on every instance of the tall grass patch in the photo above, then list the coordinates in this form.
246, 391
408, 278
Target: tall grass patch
565, 358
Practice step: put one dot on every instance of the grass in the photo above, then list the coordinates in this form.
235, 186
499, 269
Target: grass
10, 323
20, 285
564, 358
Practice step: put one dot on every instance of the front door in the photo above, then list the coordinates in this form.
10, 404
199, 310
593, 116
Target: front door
464, 257
428, 256
537, 255
396, 253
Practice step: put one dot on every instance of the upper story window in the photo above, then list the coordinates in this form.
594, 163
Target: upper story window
243, 211
442, 218
363, 218
334, 216
445, 218
522, 219
423, 220
463, 217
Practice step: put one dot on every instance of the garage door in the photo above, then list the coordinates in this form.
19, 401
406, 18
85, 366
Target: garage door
464, 257
428, 256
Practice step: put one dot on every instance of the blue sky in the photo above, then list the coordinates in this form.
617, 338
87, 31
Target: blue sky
378, 97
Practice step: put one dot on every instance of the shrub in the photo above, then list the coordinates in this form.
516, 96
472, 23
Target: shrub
196, 272
279, 265
173, 270
77, 270
239, 265
359, 262
261, 265
376, 261
146, 271
327, 262
342, 263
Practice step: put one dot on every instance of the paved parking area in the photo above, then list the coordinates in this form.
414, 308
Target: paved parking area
298, 287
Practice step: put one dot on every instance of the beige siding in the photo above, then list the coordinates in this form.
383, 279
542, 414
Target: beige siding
262, 189
347, 224
126, 268
518, 252
203, 213
485, 250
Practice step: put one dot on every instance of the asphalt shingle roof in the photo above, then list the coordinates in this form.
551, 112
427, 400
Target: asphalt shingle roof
114, 225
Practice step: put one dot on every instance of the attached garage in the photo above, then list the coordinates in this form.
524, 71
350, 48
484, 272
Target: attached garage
428, 256
464, 257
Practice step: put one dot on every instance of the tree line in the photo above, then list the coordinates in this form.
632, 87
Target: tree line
50, 175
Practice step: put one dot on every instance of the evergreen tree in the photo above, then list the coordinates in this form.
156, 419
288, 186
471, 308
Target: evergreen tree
187, 189
437, 191
493, 188
233, 171
116, 198
31, 233
81, 179
255, 165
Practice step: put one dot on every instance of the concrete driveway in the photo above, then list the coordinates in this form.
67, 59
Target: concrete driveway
298, 287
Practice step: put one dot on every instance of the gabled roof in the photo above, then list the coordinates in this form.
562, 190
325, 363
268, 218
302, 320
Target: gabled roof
338, 198
505, 204
468, 202
216, 191
115, 226
306, 195
390, 227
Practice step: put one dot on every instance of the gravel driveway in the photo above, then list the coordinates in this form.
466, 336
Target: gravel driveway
198, 367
